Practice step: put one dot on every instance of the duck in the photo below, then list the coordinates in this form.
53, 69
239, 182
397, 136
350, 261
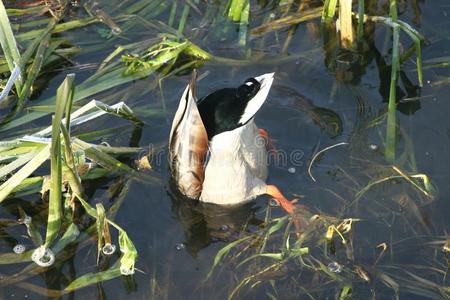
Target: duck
217, 154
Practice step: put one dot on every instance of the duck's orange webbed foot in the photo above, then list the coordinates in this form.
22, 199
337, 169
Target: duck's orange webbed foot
269, 141
275, 193
288, 206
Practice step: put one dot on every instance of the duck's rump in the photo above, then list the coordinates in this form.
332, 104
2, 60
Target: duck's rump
187, 158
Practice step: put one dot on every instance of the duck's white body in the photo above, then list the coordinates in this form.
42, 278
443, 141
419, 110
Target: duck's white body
230, 168
237, 167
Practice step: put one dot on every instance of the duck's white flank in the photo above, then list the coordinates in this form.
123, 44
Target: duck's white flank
237, 167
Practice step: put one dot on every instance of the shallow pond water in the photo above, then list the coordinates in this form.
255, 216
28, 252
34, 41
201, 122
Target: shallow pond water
318, 99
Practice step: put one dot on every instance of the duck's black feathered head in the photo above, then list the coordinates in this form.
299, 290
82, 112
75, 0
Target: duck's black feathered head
229, 108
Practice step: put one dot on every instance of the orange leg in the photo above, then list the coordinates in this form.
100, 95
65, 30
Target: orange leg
275, 193
265, 135
287, 205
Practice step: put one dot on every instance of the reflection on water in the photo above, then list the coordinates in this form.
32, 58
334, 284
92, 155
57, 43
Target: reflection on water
205, 223
328, 120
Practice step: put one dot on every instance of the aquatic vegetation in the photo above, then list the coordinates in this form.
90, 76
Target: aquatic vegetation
70, 155
371, 229
346, 36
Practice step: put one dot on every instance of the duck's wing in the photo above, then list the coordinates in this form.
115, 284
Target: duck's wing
188, 145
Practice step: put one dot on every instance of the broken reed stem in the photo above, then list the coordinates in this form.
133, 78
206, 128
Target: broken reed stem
345, 24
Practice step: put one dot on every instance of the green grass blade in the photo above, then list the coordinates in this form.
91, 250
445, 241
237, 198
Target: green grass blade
243, 25
8, 43
183, 18
70, 169
70, 235
32, 75
393, 10
129, 256
360, 19
392, 105
345, 292
277, 225
275, 256
7, 187
54, 211
31, 185
26, 56
88, 208
110, 163
20, 161
29, 35
222, 252
173, 12
127, 247
236, 8
419, 63
329, 10
86, 89
92, 278
14, 258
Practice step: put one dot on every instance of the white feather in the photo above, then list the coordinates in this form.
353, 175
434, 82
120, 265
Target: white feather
237, 169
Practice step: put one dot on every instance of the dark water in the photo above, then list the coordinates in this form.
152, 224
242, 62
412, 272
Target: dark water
317, 100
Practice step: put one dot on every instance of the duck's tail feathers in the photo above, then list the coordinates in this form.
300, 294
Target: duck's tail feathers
188, 144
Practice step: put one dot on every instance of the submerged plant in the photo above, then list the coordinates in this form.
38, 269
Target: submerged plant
69, 158
308, 252
397, 59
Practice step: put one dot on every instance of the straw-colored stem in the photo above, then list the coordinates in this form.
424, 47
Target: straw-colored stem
345, 24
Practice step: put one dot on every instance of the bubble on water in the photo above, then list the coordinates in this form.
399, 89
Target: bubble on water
313, 218
292, 170
108, 249
373, 147
334, 267
43, 257
126, 271
19, 249
224, 227
274, 203
116, 31
180, 246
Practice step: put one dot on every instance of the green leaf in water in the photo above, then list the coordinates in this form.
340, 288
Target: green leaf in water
224, 251
63, 95
93, 278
